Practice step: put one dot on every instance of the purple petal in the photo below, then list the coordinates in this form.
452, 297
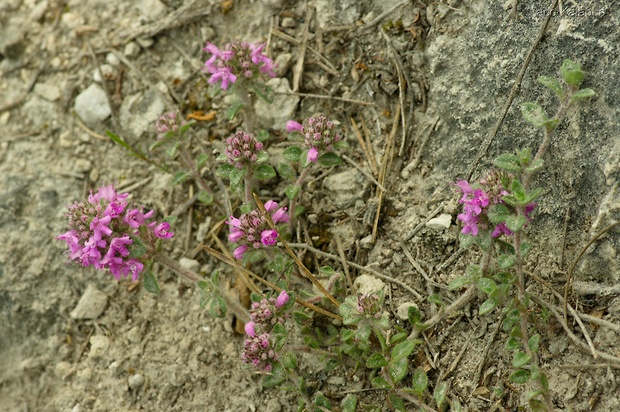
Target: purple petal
293, 126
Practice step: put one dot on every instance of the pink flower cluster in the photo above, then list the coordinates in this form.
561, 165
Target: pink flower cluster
237, 60
317, 133
241, 149
167, 122
368, 304
101, 229
258, 348
476, 203
252, 229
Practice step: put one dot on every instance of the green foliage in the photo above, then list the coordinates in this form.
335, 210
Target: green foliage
231, 113
349, 403
329, 159
553, 84
264, 172
420, 382
572, 73
292, 153
439, 394
150, 283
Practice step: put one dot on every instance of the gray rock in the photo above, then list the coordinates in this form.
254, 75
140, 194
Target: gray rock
190, 264
132, 49
91, 305
347, 186
99, 345
49, 92
402, 312
11, 41
366, 284
135, 381
440, 222
281, 110
140, 111
92, 105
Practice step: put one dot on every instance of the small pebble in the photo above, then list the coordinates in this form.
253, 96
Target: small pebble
135, 381
440, 223
131, 49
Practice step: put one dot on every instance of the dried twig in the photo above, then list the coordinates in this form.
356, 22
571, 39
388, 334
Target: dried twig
362, 171
301, 53
371, 151
328, 66
422, 224
360, 139
321, 96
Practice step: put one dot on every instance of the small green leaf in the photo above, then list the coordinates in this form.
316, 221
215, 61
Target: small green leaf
513, 344
552, 83
286, 171
236, 175
262, 135
524, 156
521, 376
487, 285
517, 189
487, 306
572, 73
435, 298
289, 360
217, 308
440, 393
172, 150
118, 140
224, 170
403, 349
533, 394
263, 91
520, 359
349, 403
379, 382
531, 196
179, 177
201, 160
277, 376
506, 261
341, 145
205, 197
459, 282
399, 337
414, 315
398, 368
292, 191
534, 115
525, 248
301, 318
376, 360
537, 406
583, 94
299, 210
137, 249
264, 172
183, 129
508, 162
234, 109
150, 283
544, 381
262, 156
515, 223
533, 343
420, 381
535, 166
330, 159
292, 153
397, 403
498, 213
466, 241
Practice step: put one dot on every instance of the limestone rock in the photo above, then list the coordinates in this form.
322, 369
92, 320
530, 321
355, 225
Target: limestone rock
92, 105
91, 305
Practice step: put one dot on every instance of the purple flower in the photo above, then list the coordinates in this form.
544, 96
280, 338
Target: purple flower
242, 149
249, 329
269, 237
252, 229
282, 299
161, 231
101, 229
318, 135
235, 60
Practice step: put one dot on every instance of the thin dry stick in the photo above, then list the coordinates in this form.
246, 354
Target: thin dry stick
591, 366
371, 151
513, 91
362, 143
362, 171
321, 96
415, 401
416, 160
236, 265
572, 311
422, 224
87, 130
330, 68
414, 263
300, 265
401, 89
343, 260
569, 277
456, 361
384, 165
242, 275
383, 15
301, 54
570, 334
463, 300
359, 267
485, 353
